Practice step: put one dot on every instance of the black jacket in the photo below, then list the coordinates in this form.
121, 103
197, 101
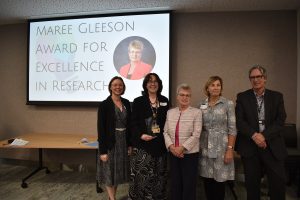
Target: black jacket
141, 110
247, 123
107, 123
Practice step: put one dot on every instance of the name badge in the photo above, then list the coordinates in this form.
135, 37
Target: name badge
155, 129
203, 106
163, 104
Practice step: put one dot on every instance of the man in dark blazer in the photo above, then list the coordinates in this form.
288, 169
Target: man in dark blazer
260, 117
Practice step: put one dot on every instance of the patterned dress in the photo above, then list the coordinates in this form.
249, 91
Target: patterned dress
218, 123
116, 170
149, 159
149, 177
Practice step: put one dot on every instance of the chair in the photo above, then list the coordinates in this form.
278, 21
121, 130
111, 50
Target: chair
290, 136
292, 162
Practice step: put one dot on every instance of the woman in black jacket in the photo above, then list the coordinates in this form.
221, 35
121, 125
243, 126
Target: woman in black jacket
149, 161
114, 138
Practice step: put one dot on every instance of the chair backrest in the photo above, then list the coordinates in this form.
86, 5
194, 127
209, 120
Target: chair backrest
290, 135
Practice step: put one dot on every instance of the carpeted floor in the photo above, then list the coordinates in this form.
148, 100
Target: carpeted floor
74, 185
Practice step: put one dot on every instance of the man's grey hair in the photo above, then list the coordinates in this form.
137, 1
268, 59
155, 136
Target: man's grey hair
262, 70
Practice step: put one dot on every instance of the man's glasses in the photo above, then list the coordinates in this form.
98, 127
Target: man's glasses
256, 77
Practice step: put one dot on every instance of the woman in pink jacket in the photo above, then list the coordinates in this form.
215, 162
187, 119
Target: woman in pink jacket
136, 68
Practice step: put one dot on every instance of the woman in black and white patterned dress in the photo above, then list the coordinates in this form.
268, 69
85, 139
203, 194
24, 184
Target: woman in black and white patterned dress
149, 157
114, 138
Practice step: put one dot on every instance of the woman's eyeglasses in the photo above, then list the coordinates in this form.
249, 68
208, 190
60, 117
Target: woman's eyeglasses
184, 95
152, 82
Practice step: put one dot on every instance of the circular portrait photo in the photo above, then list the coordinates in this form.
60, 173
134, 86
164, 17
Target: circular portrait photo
134, 58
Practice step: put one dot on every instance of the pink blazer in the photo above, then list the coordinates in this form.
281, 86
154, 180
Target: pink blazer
141, 70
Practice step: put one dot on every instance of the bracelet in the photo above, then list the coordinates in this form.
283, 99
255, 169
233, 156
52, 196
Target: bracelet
230, 147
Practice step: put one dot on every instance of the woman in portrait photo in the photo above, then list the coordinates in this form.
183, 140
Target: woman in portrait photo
136, 68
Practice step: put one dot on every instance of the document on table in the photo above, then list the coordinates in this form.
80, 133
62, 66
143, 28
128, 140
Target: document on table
92, 144
86, 142
18, 142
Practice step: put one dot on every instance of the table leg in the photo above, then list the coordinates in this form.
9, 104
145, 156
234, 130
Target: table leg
98, 188
39, 168
298, 181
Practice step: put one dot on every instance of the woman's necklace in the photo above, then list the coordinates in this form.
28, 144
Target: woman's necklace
153, 102
212, 102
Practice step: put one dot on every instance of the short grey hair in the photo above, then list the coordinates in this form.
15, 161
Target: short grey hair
183, 86
262, 70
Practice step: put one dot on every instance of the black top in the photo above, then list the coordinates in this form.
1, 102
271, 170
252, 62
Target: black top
107, 123
141, 110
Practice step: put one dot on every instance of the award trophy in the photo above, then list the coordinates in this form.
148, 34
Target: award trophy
152, 126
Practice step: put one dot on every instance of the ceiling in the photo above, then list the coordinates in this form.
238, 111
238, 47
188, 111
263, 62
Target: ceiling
18, 11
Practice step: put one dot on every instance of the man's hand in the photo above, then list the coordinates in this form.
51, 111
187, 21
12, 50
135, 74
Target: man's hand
259, 140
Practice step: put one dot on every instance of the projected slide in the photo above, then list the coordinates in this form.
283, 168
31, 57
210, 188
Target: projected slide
73, 60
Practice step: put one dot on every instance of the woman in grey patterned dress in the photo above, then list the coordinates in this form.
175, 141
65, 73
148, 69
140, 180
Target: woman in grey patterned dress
114, 138
216, 164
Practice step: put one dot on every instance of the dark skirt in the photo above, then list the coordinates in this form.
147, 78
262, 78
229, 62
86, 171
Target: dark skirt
116, 170
148, 176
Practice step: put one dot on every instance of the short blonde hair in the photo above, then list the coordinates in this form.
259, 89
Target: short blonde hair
210, 81
136, 44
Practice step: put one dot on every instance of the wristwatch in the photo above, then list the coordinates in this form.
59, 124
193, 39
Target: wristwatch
230, 147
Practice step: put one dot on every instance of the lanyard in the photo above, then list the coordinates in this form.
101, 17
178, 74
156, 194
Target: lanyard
154, 109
